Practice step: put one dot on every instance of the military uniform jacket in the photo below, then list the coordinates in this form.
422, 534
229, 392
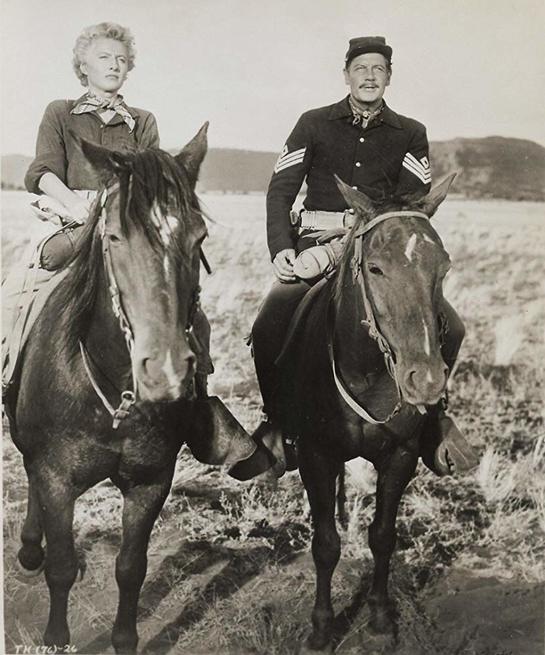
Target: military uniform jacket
388, 157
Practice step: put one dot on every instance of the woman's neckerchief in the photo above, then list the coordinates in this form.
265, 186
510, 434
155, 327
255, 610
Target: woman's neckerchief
363, 116
91, 102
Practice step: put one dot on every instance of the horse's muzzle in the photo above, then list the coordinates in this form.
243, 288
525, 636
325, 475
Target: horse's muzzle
424, 385
166, 379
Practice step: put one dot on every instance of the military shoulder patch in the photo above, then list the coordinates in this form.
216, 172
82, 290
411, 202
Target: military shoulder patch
420, 168
288, 159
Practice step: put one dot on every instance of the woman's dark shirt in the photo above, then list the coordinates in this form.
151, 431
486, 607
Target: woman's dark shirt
57, 152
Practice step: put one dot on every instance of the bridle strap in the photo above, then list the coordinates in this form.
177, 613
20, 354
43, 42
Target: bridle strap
128, 397
402, 213
347, 396
369, 321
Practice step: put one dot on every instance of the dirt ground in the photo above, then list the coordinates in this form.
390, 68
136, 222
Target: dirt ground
206, 598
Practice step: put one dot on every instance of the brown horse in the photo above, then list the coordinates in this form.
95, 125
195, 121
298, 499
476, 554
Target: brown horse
358, 378
119, 321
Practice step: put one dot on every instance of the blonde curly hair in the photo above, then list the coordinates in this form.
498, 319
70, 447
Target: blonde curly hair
102, 30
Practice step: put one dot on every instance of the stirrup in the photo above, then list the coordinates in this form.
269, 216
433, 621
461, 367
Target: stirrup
217, 436
269, 454
454, 454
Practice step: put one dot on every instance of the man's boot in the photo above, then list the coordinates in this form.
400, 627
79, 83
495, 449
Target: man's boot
272, 452
444, 449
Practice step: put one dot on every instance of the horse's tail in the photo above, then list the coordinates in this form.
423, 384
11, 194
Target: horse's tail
341, 498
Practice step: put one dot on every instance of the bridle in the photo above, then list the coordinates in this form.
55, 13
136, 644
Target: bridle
356, 265
128, 396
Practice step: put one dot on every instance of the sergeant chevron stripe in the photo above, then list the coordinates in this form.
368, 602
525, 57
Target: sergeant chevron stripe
288, 159
419, 168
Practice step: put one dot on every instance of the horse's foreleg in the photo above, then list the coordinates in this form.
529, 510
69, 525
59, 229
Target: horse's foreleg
142, 504
61, 566
393, 477
31, 553
319, 475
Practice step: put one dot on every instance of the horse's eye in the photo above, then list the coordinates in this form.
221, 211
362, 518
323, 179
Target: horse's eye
113, 238
375, 270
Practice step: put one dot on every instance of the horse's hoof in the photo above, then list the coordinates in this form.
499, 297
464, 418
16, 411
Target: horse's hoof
382, 620
31, 560
30, 573
315, 645
382, 624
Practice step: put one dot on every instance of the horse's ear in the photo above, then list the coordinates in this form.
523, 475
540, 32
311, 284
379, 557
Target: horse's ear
192, 155
435, 197
356, 199
102, 159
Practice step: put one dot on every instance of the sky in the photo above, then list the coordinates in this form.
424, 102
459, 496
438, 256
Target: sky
464, 68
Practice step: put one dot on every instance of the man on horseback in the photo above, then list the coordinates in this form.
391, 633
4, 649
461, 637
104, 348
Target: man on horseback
374, 150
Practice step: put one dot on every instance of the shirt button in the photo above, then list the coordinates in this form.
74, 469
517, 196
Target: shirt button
361, 139
358, 164
355, 187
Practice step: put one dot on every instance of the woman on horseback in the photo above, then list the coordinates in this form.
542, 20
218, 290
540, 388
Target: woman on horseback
103, 56
67, 184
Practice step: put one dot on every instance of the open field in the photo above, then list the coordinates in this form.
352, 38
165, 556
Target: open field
230, 570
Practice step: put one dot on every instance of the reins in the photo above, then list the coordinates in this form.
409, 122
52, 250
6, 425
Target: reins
128, 396
358, 278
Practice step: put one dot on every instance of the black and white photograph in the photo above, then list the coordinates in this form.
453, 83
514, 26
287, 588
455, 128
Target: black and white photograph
273, 343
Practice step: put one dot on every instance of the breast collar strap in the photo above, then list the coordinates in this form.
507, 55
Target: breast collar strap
370, 321
128, 397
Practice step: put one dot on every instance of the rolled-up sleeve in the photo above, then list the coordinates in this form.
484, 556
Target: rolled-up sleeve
50, 150
149, 137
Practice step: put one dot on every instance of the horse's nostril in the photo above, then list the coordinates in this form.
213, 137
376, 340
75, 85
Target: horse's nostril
151, 367
410, 378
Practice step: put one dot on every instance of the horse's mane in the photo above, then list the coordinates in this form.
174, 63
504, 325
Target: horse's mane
153, 178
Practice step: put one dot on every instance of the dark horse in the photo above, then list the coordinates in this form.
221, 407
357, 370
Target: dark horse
119, 320
359, 376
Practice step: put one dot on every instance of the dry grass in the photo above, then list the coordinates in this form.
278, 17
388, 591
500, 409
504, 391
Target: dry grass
241, 587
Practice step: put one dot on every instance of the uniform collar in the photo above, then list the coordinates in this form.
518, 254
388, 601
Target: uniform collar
342, 110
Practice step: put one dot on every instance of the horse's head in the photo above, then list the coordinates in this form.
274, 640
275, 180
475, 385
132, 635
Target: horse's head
397, 261
148, 224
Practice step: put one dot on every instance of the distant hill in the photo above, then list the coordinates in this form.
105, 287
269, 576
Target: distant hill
491, 167
14, 168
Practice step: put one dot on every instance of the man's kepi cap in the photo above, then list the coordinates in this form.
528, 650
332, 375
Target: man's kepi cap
362, 44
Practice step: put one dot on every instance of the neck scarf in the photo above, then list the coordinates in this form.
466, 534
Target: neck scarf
90, 102
363, 116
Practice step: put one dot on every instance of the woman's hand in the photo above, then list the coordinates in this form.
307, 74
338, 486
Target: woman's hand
78, 209
283, 265
73, 207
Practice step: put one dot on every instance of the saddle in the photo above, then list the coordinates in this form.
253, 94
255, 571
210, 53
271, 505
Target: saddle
298, 321
24, 294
